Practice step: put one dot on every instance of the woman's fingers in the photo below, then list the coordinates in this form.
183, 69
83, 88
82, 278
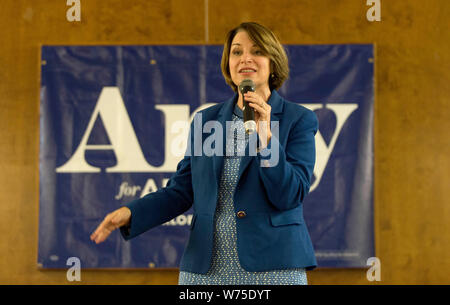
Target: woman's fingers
103, 230
101, 236
262, 116
261, 107
257, 107
111, 222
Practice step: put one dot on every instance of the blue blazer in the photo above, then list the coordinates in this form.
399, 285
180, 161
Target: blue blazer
271, 232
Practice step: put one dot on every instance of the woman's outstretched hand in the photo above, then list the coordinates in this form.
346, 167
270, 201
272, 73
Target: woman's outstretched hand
112, 221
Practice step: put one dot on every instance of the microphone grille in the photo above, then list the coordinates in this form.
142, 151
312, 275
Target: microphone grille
246, 85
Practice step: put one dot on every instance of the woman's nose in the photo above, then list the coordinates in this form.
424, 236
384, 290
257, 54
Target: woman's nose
246, 57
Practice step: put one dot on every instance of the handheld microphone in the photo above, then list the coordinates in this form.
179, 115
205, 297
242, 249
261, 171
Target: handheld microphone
249, 114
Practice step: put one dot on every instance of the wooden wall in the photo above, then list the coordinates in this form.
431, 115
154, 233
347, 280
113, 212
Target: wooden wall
412, 209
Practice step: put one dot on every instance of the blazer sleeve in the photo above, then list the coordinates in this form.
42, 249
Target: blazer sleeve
287, 175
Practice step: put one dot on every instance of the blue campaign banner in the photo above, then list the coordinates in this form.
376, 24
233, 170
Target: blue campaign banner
113, 128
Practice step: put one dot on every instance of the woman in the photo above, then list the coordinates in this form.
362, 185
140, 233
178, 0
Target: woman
247, 226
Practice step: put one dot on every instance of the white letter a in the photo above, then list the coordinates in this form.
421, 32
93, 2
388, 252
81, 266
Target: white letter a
374, 13
73, 13
110, 107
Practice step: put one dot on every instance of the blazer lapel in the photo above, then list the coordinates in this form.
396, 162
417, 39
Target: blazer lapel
224, 116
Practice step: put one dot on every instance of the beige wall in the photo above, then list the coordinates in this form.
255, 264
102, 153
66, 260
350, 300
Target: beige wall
411, 115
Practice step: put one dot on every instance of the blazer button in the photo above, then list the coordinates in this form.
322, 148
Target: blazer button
241, 214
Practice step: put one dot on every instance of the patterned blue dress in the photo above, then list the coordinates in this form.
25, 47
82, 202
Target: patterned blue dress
225, 267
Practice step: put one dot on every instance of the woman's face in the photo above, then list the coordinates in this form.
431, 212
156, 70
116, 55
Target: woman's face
246, 61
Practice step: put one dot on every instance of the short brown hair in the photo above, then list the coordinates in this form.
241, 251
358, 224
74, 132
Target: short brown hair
269, 44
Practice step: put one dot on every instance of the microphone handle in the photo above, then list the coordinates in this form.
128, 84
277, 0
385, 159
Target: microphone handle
249, 118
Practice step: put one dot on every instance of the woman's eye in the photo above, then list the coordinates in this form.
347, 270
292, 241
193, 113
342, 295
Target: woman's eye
239, 52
